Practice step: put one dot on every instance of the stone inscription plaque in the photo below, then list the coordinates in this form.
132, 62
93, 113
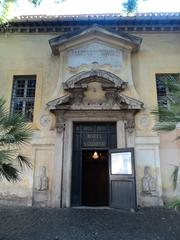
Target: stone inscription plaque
94, 140
94, 53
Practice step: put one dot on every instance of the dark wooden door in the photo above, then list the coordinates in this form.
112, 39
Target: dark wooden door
88, 136
122, 178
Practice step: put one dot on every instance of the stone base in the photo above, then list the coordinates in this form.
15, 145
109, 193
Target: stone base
40, 199
14, 200
149, 200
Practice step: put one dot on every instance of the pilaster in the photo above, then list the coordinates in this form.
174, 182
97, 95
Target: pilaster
67, 165
56, 200
121, 135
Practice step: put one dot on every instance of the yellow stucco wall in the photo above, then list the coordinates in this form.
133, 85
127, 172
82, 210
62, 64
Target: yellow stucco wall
159, 53
26, 54
31, 54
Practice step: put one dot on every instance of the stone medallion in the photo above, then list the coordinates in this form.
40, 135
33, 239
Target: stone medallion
46, 121
144, 121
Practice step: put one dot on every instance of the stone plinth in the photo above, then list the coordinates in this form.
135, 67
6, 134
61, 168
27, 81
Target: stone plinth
150, 200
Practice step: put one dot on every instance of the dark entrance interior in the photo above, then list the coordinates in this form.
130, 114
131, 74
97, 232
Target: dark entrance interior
90, 176
95, 178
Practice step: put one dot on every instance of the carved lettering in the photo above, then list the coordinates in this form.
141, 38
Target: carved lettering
94, 52
94, 140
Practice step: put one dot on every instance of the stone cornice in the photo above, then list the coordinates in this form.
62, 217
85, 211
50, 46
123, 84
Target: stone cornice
95, 30
120, 102
144, 22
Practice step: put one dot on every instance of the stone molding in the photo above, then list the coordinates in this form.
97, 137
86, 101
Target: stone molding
52, 105
74, 102
110, 83
129, 41
83, 78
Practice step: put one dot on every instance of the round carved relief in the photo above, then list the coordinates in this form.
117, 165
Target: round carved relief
144, 121
46, 121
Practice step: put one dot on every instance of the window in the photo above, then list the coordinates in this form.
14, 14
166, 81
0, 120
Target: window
23, 95
163, 84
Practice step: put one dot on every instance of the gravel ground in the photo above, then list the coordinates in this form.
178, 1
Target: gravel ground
88, 224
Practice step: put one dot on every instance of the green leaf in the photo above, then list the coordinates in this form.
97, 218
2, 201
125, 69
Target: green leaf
4, 10
35, 2
174, 176
14, 131
174, 204
9, 172
168, 116
24, 161
7, 156
165, 126
130, 6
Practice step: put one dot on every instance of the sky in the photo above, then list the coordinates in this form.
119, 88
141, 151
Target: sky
93, 6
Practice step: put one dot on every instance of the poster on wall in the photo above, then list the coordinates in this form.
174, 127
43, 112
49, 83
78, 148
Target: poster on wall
121, 162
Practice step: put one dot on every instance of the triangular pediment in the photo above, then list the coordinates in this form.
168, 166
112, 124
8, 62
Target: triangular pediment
95, 32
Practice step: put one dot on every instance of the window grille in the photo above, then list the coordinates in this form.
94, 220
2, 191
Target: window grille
163, 91
23, 95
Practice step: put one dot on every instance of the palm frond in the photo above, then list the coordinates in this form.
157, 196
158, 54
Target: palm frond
164, 126
166, 119
7, 164
24, 161
174, 204
14, 132
9, 172
168, 115
7, 156
3, 111
174, 176
173, 86
163, 113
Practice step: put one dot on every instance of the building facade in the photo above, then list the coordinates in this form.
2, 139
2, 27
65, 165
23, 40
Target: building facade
87, 85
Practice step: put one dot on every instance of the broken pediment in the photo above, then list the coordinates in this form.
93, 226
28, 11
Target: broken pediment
98, 33
107, 80
96, 90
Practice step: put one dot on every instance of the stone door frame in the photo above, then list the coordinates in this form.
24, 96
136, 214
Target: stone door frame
61, 184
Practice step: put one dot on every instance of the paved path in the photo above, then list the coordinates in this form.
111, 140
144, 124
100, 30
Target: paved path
88, 224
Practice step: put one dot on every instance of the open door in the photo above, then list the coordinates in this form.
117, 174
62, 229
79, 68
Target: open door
122, 179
